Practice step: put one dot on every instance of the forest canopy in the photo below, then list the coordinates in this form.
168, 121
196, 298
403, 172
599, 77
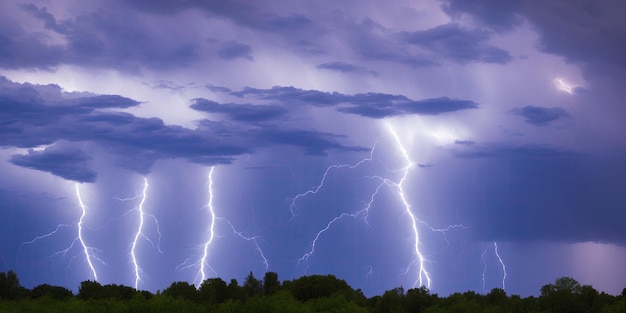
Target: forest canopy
315, 293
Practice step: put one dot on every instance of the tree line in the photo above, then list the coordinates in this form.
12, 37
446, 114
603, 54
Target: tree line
308, 294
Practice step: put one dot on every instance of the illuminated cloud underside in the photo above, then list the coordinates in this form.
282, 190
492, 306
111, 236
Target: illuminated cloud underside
327, 125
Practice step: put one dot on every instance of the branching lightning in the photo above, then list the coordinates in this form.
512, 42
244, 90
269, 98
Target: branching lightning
254, 239
423, 277
139, 233
495, 250
86, 249
363, 212
419, 257
203, 263
317, 188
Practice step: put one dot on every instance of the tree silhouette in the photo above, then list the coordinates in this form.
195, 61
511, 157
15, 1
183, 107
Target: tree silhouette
10, 287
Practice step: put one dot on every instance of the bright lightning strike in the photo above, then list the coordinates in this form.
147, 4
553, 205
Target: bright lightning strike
420, 260
139, 233
563, 86
207, 244
423, 277
495, 249
203, 263
86, 249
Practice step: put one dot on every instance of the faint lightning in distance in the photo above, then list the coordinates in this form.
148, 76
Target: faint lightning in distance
317, 188
362, 212
502, 265
254, 239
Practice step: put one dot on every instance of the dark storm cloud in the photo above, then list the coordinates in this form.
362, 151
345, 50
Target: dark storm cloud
528, 193
100, 38
473, 150
590, 32
499, 15
540, 116
372, 41
255, 15
68, 163
312, 142
346, 68
19, 48
293, 95
372, 105
464, 142
382, 108
27, 119
457, 44
240, 112
221, 89
231, 50
292, 22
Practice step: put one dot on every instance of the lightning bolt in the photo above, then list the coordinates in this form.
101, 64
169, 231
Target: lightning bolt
254, 239
207, 244
363, 212
52, 233
419, 257
317, 188
495, 250
563, 86
203, 263
423, 276
139, 233
86, 249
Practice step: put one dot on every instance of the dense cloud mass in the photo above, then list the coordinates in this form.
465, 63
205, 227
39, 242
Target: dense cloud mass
462, 144
540, 116
70, 164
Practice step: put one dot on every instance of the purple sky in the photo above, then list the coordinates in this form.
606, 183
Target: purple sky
395, 143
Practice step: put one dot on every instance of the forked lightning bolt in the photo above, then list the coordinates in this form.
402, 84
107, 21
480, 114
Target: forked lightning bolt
363, 212
495, 250
317, 188
203, 263
254, 239
423, 277
86, 249
139, 233
419, 257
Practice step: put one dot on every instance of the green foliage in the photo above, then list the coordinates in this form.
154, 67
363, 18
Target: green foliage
55, 292
308, 294
318, 286
10, 287
181, 289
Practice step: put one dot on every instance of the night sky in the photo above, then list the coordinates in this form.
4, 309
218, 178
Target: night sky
460, 145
